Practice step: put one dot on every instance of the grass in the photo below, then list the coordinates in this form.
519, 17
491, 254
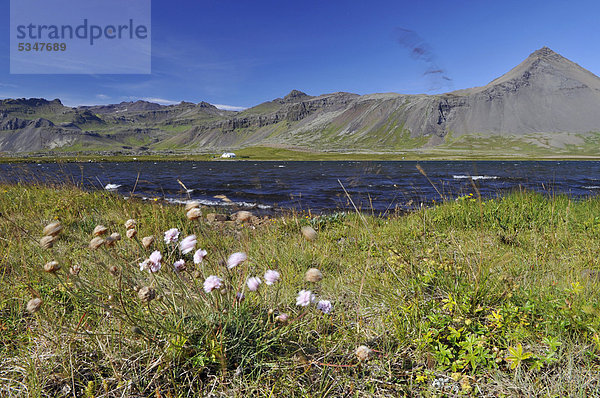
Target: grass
470, 297
76, 153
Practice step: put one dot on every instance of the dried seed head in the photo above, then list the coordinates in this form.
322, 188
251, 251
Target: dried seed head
47, 242
100, 230
75, 269
192, 205
34, 305
131, 233
53, 229
242, 216
193, 214
113, 239
313, 275
96, 243
130, 224
309, 233
283, 317
113, 270
146, 294
147, 241
51, 266
363, 353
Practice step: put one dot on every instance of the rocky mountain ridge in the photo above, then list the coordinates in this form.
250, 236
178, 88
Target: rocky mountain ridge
546, 95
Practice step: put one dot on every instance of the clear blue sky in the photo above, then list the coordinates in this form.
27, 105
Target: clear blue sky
241, 53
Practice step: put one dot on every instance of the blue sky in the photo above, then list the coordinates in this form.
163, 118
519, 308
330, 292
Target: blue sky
246, 52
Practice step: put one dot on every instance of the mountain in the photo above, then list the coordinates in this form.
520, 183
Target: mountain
546, 104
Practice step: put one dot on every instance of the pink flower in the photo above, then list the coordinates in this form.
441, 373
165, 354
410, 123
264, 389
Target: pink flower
271, 277
154, 261
179, 265
155, 257
144, 265
325, 306
305, 297
253, 283
211, 283
171, 235
199, 256
236, 259
187, 244
154, 267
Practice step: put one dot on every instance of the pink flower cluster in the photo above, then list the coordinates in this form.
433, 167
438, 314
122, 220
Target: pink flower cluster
212, 282
236, 259
187, 244
199, 256
179, 265
171, 236
152, 264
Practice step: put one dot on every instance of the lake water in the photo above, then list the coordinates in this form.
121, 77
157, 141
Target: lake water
318, 186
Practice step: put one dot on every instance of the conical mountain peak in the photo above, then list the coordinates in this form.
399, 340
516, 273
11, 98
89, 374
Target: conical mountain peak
542, 52
543, 68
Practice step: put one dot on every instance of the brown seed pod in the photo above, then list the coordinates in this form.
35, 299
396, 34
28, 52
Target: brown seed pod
193, 214
34, 305
75, 269
147, 241
282, 318
100, 230
113, 239
53, 229
47, 242
96, 243
313, 275
131, 233
130, 224
363, 353
192, 205
241, 216
146, 294
51, 266
309, 233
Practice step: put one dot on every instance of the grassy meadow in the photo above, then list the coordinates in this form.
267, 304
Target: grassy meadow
468, 298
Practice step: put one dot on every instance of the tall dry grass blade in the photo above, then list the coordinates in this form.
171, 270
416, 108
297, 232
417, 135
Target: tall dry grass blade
431, 182
135, 185
187, 191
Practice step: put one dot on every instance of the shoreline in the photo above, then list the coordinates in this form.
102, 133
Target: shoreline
312, 156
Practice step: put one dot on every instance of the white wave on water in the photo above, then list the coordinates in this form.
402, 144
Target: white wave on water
591, 187
112, 187
465, 177
281, 166
208, 202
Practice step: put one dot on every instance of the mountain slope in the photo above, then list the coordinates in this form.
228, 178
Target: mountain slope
545, 93
544, 102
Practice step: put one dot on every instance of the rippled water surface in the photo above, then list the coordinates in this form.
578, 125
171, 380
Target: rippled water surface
318, 186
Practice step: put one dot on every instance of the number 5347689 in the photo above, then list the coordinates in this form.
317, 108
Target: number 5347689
42, 46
